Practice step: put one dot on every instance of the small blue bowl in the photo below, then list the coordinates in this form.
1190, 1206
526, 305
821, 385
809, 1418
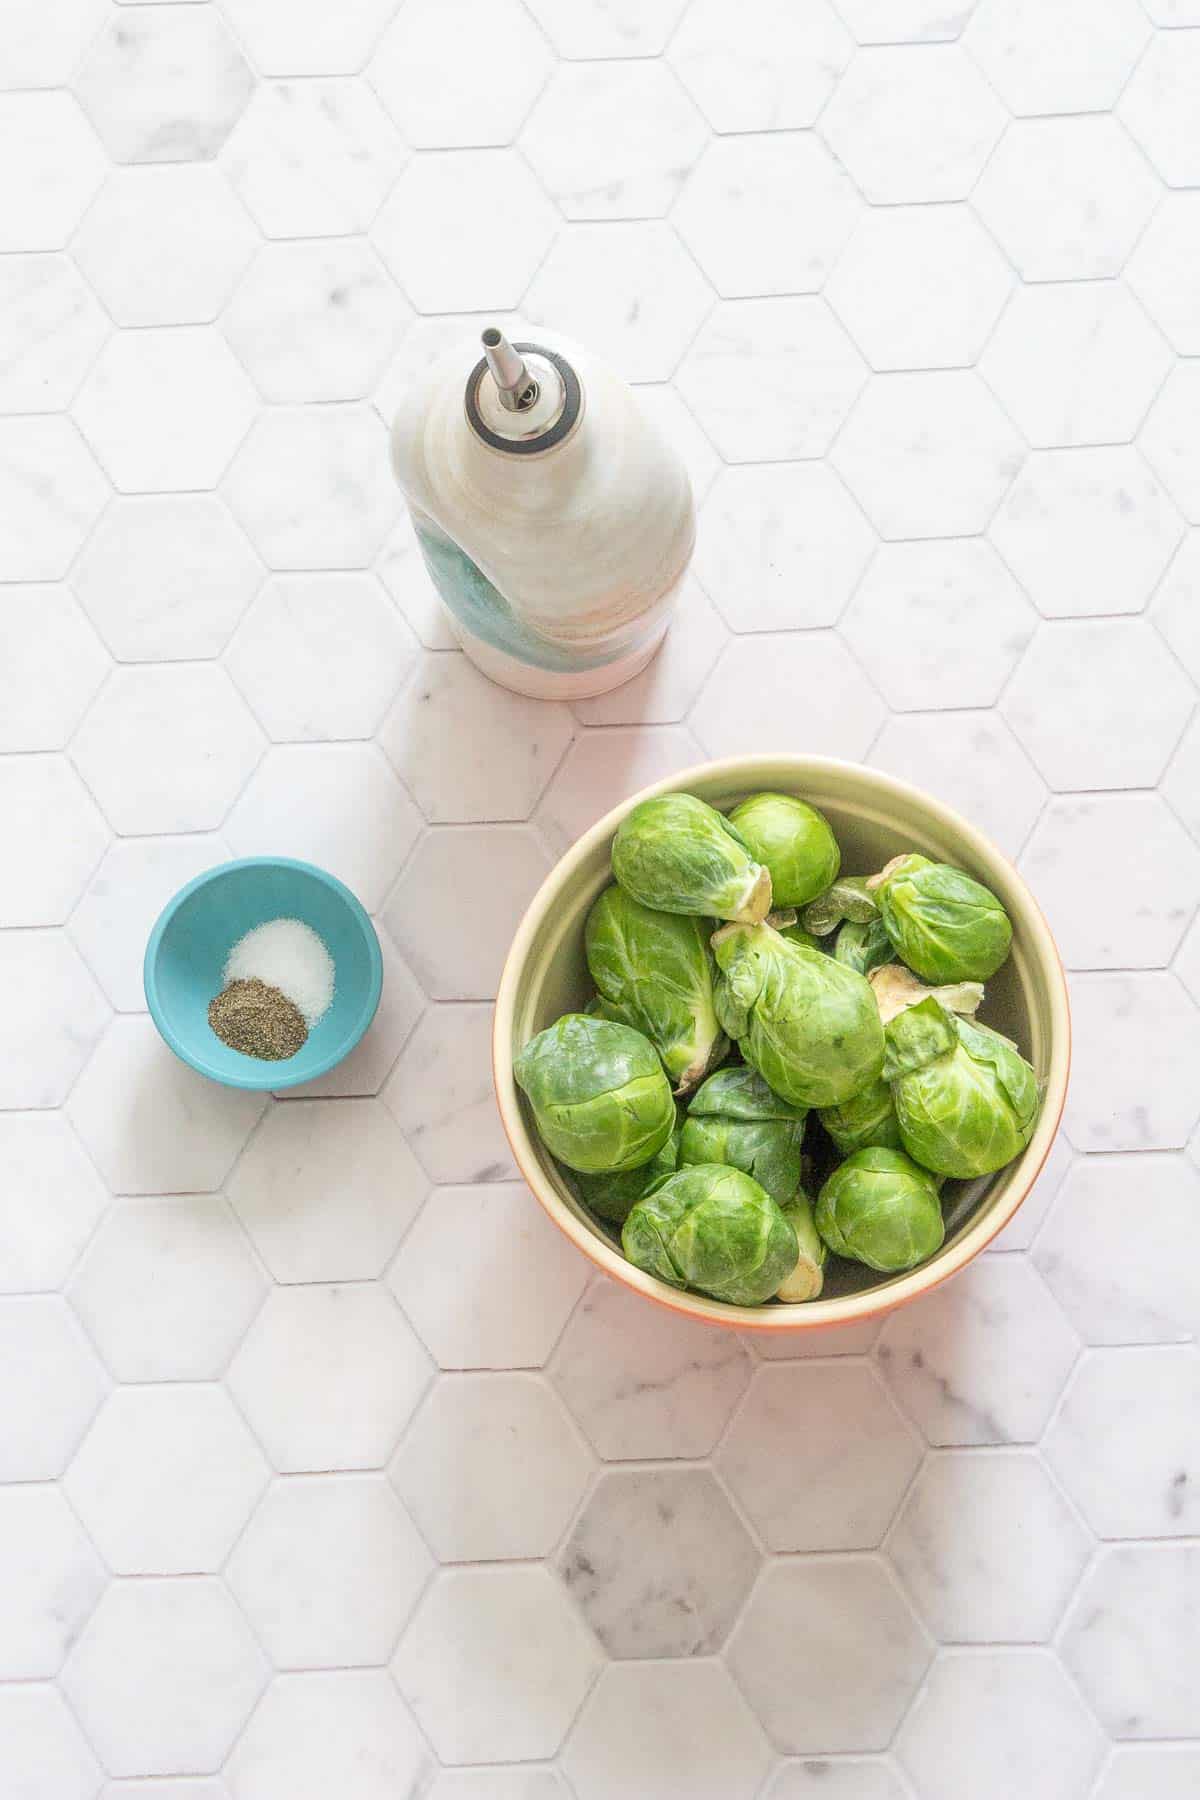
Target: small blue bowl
185, 960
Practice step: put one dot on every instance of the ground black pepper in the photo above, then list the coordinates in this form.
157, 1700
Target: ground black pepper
257, 1020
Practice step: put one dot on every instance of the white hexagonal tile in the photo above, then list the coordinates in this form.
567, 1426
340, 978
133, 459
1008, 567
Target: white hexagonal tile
367, 1067
771, 380
1098, 703
164, 1676
486, 1279
508, 863
467, 749
46, 41
1168, 1771
938, 624
52, 1579
328, 1570
312, 487
961, 1729
46, 136
54, 837
338, 805
1159, 107
313, 158
151, 1124
818, 1456
182, 1787
1099, 924
54, 1388
905, 21
495, 1663
750, 698
665, 691
167, 1288
1076, 363
491, 1467
878, 123
312, 1730
1117, 1287
51, 664
1065, 57
631, 287
981, 1361
326, 1190
284, 41
165, 408
604, 767
134, 881
667, 411
442, 1096
315, 321
1116, 1445
50, 1201
928, 455
164, 86
46, 1756
919, 287
504, 224
329, 1376
1066, 198
645, 1382
607, 27
1179, 787
846, 1778
835, 1340
50, 331
703, 1559
166, 748
679, 1731
988, 1548
737, 214
52, 1017
166, 576
402, 569
51, 494
1171, 441
873, 1653
971, 761
435, 71
1164, 270
767, 67
165, 245
1023, 1227
1136, 1040
512, 1783
1132, 1640
166, 1478
613, 140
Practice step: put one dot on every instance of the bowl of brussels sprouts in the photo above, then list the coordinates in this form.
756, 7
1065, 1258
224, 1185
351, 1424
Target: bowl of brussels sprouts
782, 1042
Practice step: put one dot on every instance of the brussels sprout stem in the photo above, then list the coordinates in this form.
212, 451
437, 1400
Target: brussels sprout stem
756, 903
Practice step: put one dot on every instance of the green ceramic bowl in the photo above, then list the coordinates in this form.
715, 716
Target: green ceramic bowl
875, 817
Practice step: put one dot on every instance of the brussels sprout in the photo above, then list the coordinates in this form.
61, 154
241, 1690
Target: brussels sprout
654, 971
868, 1119
611, 1195
848, 898
897, 988
808, 1277
795, 843
808, 1024
735, 1118
599, 1096
679, 855
966, 1099
863, 944
796, 934
942, 923
712, 1227
879, 1208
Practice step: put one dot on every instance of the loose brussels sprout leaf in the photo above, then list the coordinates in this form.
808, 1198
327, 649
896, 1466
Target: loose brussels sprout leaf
808, 1277
868, 1119
807, 1023
599, 1096
881, 1209
713, 1228
795, 843
735, 1118
944, 925
966, 1099
610, 1196
846, 899
897, 988
654, 971
679, 855
863, 945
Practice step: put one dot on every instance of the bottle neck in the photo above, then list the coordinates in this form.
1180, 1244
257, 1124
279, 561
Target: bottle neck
522, 399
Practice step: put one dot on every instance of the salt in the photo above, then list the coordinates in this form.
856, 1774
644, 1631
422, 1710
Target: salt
287, 954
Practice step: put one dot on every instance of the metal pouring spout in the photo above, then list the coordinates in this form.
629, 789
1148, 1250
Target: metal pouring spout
516, 387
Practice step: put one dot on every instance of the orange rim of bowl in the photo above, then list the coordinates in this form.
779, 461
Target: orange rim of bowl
820, 1314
